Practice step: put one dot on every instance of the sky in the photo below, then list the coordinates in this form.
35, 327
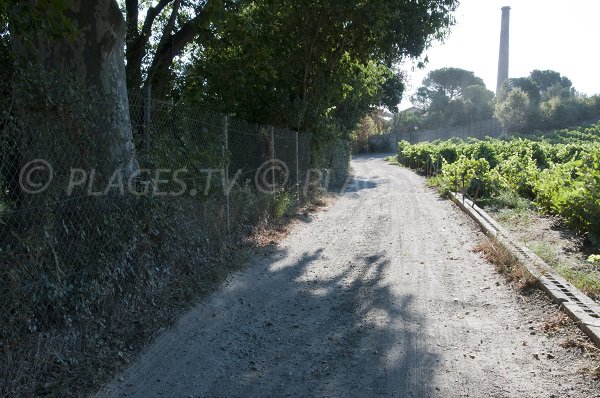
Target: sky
561, 35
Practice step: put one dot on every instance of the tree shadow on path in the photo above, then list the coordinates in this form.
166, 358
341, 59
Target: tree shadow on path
310, 327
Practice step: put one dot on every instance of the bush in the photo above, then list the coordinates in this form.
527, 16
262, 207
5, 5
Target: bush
514, 111
333, 157
557, 112
360, 136
471, 176
283, 203
560, 172
520, 174
572, 191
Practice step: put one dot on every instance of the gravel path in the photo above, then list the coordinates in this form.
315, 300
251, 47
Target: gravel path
381, 294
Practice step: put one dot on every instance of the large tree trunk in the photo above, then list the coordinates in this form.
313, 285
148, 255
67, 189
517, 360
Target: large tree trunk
71, 106
89, 59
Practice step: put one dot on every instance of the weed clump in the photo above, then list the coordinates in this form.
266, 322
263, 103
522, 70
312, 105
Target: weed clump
507, 265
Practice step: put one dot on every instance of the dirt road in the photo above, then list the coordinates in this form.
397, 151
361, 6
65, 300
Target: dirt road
379, 295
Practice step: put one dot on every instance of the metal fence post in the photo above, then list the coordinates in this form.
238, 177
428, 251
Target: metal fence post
272, 153
272, 130
147, 118
297, 170
226, 161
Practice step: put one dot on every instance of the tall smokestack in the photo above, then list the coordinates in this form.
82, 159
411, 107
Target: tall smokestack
503, 57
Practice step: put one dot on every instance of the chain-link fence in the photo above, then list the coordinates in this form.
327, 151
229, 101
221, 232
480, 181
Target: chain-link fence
106, 213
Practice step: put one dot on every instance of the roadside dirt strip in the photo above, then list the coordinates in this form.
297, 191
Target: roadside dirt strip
582, 309
379, 295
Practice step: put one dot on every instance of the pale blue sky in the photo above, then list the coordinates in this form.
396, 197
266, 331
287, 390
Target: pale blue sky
544, 34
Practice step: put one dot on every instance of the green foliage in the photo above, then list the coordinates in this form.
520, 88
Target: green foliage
452, 96
559, 172
520, 173
284, 201
509, 205
26, 19
360, 136
445, 82
558, 111
547, 79
522, 83
284, 63
572, 190
483, 150
318, 68
514, 112
478, 100
333, 157
553, 103
405, 121
587, 282
471, 176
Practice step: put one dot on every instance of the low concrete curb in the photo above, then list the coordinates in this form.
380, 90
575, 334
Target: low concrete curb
582, 309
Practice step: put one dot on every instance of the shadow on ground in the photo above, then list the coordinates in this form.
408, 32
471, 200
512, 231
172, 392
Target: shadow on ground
307, 328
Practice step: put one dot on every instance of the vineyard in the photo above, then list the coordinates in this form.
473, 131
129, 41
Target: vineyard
558, 173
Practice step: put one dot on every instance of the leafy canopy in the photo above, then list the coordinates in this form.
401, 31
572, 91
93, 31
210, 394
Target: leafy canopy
309, 66
453, 96
553, 102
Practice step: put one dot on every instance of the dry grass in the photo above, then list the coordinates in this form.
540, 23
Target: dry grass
507, 265
549, 238
515, 272
266, 234
556, 323
270, 231
581, 343
319, 202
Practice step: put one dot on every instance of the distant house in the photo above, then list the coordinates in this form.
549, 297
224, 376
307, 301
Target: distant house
413, 109
384, 114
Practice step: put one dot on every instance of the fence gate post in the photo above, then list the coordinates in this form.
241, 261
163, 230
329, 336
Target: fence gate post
226, 171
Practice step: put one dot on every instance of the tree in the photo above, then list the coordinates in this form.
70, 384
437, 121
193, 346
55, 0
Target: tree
448, 83
539, 85
68, 106
453, 96
514, 111
545, 79
558, 112
366, 128
168, 27
283, 62
82, 60
525, 84
554, 103
404, 122
478, 100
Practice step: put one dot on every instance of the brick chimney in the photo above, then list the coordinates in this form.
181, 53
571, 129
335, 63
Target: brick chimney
503, 56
